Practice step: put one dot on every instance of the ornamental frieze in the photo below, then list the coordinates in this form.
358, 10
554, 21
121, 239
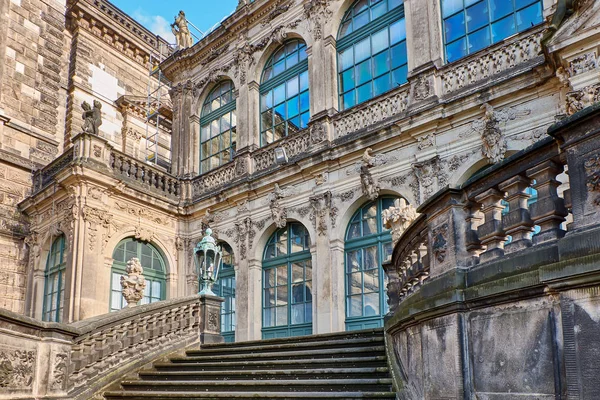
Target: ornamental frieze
17, 368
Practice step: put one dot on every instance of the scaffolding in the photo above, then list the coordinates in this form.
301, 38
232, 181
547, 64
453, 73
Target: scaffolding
157, 107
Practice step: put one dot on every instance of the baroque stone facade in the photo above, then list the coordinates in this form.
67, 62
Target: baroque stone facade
438, 129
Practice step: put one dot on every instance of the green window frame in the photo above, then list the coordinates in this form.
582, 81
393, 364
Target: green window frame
225, 287
218, 127
368, 244
472, 25
154, 267
284, 93
54, 282
287, 283
372, 56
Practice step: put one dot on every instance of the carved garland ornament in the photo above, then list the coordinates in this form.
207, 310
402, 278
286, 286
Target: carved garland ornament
439, 245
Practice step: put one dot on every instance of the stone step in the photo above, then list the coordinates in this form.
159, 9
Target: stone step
378, 333
287, 355
278, 347
295, 385
272, 374
138, 395
207, 365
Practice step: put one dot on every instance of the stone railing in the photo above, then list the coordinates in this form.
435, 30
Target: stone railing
371, 113
213, 179
44, 176
76, 361
518, 51
294, 145
133, 170
503, 267
407, 272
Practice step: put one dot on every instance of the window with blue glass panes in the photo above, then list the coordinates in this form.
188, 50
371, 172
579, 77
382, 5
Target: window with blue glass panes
371, 46
472, 25
284, 93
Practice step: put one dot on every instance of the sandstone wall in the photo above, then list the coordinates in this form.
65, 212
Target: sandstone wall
33, 74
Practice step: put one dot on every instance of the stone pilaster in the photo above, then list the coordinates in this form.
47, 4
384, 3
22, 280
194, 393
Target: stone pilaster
210, 319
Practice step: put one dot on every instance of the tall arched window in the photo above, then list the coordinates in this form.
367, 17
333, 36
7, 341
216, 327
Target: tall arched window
54, 288
225, 287
284, 100
368, 244
218, 136
371, 50
287, 283
155, 271
471, 25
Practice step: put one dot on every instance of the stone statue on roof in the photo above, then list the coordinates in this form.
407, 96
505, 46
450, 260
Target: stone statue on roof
92, 118
181, 31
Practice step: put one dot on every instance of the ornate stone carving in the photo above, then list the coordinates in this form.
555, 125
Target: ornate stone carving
59, 372
244, 233
317, 13
374, 112
318, 133
426, 174
439, 244
145, 213
133, 283
181, 31
592, 171
322, 207
494, 62
583, 63
577, 100
422, 88
494, 143
278, 212
92, 118
280, 7
144, 234
241, 166
16, 368
488, 127
426, 141
346, 196
398, 218
95, 217
213, 321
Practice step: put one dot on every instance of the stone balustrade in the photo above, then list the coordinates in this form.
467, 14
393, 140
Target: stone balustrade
499, 277
145, 174
507, 57
371, 113
45, 176
407, 272
77, 360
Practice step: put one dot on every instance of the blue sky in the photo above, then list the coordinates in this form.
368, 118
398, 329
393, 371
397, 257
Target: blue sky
157, 15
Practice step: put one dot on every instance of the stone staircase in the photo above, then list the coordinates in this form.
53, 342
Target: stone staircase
349, 365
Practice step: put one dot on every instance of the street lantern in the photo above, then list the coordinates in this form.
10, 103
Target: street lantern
208, 258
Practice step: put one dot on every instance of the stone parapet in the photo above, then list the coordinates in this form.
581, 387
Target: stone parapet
493, 290
75, 361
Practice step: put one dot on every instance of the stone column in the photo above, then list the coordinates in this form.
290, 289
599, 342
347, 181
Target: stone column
248, 107
254, 299
194, 146
338, 287
423, 35
210, 319
323, 77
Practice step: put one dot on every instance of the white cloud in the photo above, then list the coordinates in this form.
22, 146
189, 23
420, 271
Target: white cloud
156, 23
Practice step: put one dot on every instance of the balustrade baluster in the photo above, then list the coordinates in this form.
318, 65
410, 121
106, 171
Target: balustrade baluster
549, 211
517, 222
491, 232
474, 219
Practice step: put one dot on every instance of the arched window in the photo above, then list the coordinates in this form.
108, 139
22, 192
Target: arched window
284, 101
54, 288
218, 136
225, 287
368, 244
287, 283
471, 25
154, 271
371, 50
